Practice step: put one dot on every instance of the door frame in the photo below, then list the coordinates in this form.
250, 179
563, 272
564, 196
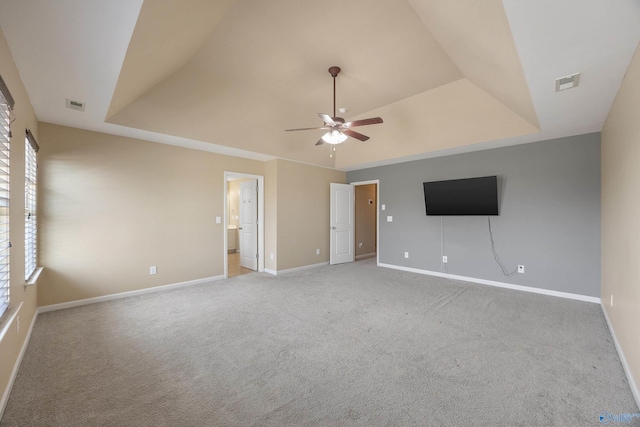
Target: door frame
378, 215
260, 178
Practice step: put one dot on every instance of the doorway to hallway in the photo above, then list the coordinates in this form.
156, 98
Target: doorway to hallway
244, 219
366, 220
354, 221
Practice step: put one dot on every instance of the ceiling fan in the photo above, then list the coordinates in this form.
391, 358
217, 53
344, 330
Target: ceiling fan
338, 129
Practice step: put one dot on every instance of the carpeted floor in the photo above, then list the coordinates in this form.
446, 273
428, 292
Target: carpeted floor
352, 344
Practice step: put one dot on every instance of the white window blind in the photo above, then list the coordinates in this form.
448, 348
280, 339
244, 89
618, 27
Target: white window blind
30, 197
6, 105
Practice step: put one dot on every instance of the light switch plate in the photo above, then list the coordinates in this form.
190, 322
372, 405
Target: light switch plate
389, 218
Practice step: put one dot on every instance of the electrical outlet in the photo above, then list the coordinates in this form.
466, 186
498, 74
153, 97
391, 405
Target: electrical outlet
444, 258
317, 251
271, 256
406, 254
521, 269
360, 245
383, 207
152, 270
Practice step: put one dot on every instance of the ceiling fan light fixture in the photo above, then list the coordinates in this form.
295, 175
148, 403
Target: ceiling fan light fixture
334, 137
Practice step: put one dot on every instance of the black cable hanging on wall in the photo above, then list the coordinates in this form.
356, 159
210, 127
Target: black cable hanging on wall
495, 254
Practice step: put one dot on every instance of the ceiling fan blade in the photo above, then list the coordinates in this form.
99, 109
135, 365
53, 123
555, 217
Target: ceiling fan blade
364, 122
354, 134
327, 119
290, 130
320, 142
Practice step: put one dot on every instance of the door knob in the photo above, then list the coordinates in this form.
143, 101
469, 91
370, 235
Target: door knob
333, 228
239, 228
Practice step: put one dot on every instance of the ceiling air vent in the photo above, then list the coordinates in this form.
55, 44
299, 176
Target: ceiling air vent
76, 105
567, 82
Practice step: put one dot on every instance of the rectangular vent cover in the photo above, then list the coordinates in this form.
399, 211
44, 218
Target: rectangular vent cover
76, 105
567, 82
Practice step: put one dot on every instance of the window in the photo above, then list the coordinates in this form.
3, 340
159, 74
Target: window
6, 105
30, 195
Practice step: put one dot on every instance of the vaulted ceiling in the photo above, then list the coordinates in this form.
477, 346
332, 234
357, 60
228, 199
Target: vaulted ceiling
229, 76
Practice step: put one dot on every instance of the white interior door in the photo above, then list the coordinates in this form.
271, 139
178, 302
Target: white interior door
342, 220
249, 224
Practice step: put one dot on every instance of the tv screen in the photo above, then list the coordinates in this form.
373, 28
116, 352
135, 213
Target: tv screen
471, 196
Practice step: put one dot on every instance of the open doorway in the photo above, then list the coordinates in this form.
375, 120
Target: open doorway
366, 219
244, 219
354, 232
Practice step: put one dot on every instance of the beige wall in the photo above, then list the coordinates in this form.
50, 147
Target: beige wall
620, 217
303, 213
365, 219
271, 215
24, 118
115, 206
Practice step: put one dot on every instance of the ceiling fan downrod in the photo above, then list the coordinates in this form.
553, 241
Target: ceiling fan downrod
334, 71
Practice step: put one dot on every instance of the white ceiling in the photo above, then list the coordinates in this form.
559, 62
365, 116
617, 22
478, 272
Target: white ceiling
76, 49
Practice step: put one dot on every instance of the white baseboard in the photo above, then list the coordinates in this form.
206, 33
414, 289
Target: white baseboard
568, 295
627, 370
363, 256
86, 301
304, 267
16, 366
270, 271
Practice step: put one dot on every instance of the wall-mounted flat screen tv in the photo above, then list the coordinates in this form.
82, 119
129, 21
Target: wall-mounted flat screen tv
471, 196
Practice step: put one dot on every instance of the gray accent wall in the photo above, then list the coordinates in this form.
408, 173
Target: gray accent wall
549, 204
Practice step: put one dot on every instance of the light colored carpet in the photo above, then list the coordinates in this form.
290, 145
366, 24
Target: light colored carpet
351, 344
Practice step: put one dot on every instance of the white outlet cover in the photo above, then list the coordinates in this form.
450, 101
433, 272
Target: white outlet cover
444, 258
389, 218
153, 270
218, 220
382, 207
406, 254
